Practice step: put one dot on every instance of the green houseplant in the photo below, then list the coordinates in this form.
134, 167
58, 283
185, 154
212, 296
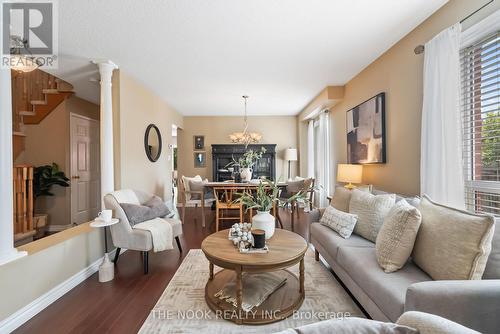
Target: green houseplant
45, 177
263, 200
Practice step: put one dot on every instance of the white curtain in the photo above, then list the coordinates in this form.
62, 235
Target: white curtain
323, 159
310, 148
441, 173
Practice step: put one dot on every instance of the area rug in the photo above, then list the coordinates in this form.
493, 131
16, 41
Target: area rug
182, 307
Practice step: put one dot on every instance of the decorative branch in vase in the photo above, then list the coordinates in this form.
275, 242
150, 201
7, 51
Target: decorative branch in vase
246, 163
263, 200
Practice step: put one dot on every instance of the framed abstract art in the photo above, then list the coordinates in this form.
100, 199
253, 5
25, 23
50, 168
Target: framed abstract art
366, 132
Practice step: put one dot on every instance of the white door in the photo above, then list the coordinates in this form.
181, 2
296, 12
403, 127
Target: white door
85, 165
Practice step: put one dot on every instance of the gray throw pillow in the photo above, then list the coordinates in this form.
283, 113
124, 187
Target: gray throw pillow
151, 209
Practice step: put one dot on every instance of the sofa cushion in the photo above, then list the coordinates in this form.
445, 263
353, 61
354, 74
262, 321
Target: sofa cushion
492, 270
331, 240
352, 325
371, 211
452, 244
341, 222
386, 290
397, 235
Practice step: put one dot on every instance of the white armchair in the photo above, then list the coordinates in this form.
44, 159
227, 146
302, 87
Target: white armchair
123, 235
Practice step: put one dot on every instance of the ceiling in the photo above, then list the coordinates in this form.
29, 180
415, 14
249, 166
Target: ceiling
200, 56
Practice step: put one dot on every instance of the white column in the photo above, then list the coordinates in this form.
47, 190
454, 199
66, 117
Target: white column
7, 250
106, 68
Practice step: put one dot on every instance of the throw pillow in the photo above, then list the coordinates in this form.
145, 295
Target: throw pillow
371, 211
137, 213
397, 236
159, 207
452, 244
341, 199
341, 222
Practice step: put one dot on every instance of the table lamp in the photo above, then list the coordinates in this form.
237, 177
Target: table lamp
290, 155
349, 174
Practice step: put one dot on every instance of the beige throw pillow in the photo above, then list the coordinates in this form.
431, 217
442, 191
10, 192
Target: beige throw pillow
397, 235
371, 211
452, 244
341, 222
342, 197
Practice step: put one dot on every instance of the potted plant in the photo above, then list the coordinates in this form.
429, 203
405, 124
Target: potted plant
263, 199
247, 161
45, 177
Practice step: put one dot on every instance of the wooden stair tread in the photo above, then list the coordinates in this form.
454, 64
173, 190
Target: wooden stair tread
18, 133
38, 102
57, 91
27, 113
50, 91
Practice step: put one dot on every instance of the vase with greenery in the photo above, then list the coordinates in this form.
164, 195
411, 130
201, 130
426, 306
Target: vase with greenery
246, 163
45, 177
263, 200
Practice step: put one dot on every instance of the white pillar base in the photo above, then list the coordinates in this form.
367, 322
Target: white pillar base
106, 270
11, 256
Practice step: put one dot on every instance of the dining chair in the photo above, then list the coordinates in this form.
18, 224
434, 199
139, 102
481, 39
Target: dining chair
294, 187
225, 200
193, 198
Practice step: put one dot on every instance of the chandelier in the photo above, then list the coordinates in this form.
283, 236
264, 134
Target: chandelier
245, 137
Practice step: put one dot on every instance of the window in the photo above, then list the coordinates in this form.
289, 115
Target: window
480, 107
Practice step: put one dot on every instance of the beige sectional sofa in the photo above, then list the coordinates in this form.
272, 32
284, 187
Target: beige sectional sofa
386, 296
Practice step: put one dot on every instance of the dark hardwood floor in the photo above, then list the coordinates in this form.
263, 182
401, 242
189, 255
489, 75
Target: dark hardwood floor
122, 305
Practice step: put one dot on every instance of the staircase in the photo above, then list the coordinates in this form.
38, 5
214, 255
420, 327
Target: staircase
34, 96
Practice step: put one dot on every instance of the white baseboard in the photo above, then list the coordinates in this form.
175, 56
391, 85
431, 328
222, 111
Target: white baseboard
24, 314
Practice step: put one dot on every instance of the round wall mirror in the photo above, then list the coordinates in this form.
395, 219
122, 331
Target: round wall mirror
152, 142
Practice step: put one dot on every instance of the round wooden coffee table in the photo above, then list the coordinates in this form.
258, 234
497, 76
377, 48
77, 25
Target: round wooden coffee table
285, 250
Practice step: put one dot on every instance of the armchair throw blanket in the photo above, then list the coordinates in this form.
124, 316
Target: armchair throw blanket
161, 233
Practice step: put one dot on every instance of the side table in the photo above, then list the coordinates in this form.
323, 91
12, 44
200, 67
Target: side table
106, 269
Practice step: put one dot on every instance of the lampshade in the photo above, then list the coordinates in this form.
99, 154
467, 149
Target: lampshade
291, 154
349, 173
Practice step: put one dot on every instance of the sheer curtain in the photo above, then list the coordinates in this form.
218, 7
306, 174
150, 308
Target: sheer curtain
441, 174
310, 148
322, 173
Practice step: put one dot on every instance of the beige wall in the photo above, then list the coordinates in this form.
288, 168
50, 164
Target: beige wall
49, 142
398, 72
28, 278
137, 107
280, 130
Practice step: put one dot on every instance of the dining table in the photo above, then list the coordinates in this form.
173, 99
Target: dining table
251, 185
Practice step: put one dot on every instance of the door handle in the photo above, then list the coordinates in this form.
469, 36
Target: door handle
75, 177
